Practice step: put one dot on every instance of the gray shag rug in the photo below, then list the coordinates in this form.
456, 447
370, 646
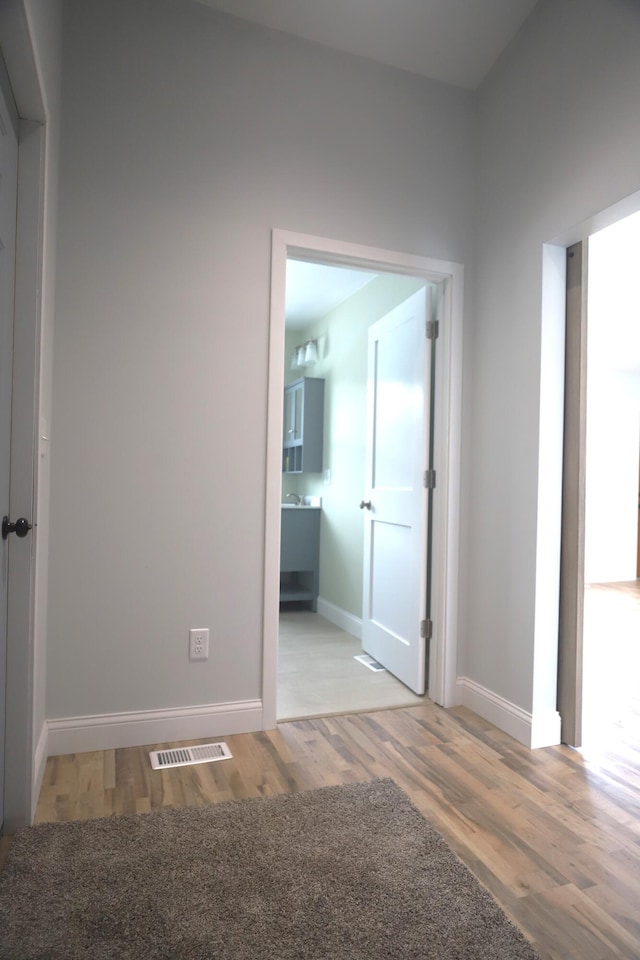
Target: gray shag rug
341, 873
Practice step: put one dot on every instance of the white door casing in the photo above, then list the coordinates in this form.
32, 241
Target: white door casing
395, 498
448, 275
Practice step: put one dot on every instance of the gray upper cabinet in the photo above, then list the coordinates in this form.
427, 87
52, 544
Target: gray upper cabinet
303, 426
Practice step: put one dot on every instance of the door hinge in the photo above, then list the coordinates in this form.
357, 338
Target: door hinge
433, 330
426, 629
430, 479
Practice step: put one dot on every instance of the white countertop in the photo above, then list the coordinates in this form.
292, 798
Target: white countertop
308, 503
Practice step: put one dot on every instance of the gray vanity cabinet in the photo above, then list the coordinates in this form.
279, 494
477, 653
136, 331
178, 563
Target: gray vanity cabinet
300, 554
303, 426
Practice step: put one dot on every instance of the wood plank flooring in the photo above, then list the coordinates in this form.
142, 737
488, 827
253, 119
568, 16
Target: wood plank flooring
554, 836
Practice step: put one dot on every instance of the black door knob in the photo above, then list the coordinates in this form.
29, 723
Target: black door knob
365, 503
21, 527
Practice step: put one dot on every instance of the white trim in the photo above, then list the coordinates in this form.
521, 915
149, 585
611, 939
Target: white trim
545, 729
551, 426
338, 616
446, 526
533, 732
443, 652
39, 764
110, 731
18, 51
506, 715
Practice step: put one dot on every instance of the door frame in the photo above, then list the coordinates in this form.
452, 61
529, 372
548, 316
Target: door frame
571, 610
447, 446
572, 514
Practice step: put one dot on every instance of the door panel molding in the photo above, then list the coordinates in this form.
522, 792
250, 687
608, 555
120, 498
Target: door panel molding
395, 525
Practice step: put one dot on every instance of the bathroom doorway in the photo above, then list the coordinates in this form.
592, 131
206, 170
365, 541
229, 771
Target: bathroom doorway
448, 277
329, 311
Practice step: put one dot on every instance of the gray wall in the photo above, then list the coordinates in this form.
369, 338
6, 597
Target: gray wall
559, 141
187, 137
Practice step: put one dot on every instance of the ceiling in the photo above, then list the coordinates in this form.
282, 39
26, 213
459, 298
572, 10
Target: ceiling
313, 289
454, 41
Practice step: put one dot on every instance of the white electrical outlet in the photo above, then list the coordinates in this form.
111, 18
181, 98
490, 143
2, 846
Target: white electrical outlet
199, 643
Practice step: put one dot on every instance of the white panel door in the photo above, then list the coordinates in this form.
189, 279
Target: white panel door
8, 193
396, 502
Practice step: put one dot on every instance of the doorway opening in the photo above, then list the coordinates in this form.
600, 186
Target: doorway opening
611, 653
330, 312
377, 270
598, 688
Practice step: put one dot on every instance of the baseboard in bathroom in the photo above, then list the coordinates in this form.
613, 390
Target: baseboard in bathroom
336, 615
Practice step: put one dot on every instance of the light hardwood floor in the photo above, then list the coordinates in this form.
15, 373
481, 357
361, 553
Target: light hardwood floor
554, 836
318, 676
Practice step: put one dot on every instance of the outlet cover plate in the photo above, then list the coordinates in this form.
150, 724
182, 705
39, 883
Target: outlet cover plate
199, 643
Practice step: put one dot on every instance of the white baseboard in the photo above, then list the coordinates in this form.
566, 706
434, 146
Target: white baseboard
39, 763
533, 731
112, 730
545, 729
346, 621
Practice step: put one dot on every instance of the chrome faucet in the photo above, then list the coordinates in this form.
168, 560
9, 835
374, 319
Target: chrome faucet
294, 496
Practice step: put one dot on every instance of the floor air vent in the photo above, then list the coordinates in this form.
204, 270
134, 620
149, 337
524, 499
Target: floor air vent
369, 662
183, 756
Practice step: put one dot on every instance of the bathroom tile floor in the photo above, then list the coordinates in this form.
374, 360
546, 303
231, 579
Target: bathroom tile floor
318, 676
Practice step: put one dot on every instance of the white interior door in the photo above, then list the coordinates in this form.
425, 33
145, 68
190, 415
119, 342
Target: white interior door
8, 193
395, 503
